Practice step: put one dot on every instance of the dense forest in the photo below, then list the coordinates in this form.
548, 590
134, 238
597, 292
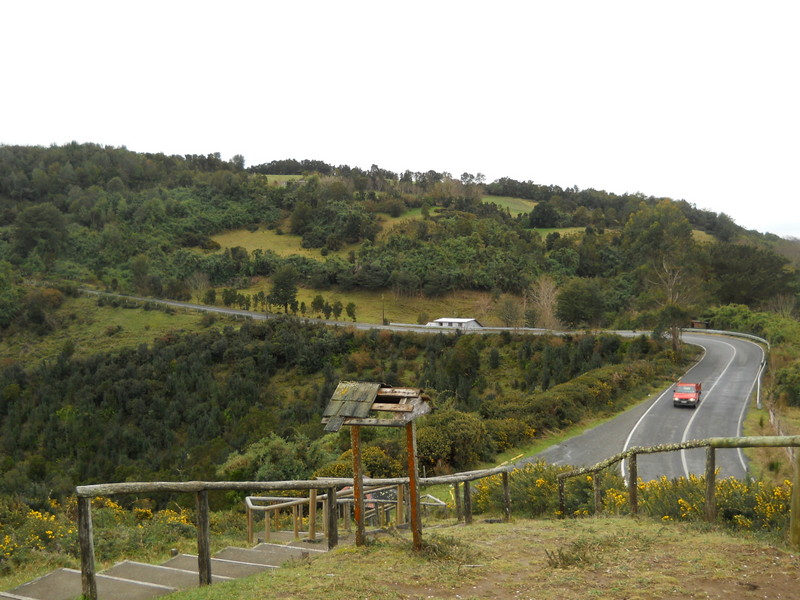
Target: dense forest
245, 401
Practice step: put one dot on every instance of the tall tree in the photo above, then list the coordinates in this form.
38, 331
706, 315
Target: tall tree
284, 287
42, 227
659, 245
541, 299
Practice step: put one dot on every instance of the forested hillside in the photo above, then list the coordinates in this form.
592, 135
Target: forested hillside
246, 400
89, 215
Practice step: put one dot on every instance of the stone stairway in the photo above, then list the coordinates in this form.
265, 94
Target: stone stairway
131, 580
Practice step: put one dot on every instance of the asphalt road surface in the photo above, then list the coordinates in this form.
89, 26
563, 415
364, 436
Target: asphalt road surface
728, 371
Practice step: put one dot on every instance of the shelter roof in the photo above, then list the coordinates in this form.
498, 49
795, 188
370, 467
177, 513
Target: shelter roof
376, 404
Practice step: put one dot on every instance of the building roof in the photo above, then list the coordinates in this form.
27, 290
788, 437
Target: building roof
454, 320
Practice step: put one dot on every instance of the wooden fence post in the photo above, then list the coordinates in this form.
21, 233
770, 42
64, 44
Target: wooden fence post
325, 511
506, 497
413, 489
467, 504
312, 515
711, 485
400, 511
457, 497
358, 485
249, 525
203, 538
562, 498
633, 484
86, 539
794, 507
332, 517
597, 480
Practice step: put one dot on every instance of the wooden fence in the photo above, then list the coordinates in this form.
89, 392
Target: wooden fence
201, 489
710, 444
462, 495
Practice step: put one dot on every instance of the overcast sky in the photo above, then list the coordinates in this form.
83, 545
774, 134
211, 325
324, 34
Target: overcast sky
693, 100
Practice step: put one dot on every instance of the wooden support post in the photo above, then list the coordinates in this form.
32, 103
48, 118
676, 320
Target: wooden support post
86, 540
711, 485
312, 515
249, 525
467, 503
276, 519
347, 517
295, 514
358, 485
794, 507
413, 489
203, 538
332, 517
562, 498
597, 480
633, 484
457, 498
506, 497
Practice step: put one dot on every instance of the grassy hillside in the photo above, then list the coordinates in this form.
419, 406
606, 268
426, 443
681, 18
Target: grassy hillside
87, 329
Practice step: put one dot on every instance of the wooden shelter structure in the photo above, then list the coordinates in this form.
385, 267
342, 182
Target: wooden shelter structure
363, 403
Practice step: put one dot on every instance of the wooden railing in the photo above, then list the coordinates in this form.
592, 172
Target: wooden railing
201, 489
379, 509
462, 495
711, 445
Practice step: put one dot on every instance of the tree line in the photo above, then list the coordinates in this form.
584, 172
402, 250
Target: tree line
182, 406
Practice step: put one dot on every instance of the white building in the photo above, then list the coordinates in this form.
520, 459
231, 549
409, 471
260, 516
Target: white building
454, 323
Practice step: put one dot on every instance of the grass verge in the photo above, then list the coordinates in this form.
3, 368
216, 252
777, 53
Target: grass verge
612, 558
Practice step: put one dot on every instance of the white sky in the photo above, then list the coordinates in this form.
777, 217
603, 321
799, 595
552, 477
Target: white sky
693, 100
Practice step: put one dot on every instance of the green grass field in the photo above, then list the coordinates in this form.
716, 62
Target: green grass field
515, 206
91, 328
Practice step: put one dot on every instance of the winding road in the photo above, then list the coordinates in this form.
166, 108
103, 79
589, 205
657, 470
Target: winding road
728, 370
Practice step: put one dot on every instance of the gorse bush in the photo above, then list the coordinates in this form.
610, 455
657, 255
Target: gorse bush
534, 491
740, 505
119, 532
756, 506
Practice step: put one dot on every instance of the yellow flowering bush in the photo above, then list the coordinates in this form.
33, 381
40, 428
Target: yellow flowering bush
534, 491
740, 505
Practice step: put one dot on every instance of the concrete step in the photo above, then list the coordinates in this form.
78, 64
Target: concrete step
274, 556
219, 566
65, 584
159, 574
293, 551
10, 596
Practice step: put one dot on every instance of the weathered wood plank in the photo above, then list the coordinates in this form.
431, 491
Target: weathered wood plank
382, 406
400, 392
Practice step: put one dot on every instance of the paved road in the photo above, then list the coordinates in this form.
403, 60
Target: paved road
728, 371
